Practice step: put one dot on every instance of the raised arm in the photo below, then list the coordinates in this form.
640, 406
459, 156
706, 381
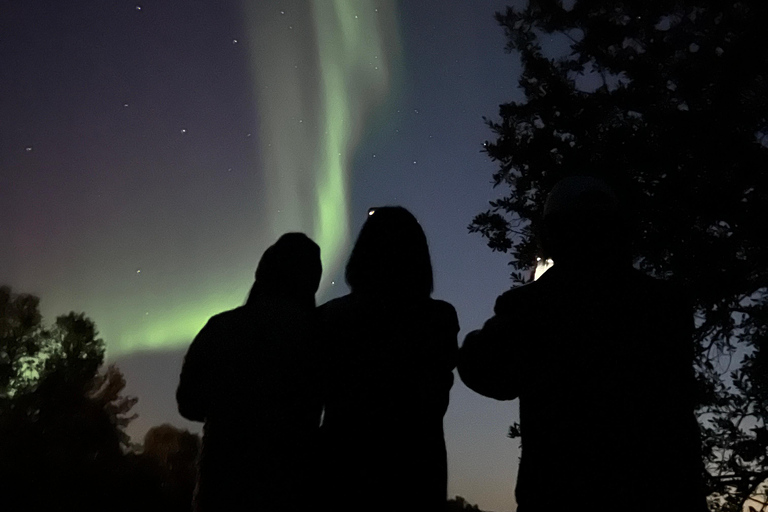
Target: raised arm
487, 356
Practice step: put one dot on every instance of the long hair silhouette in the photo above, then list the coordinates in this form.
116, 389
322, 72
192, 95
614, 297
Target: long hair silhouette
390, 256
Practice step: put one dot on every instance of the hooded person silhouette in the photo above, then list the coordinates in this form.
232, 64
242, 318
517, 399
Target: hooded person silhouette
252, 375
601, 358
390, 351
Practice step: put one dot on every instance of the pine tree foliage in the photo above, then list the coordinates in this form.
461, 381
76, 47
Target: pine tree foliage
62, 437
21, 340
668, 101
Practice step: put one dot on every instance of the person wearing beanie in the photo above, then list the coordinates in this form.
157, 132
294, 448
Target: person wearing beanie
252, 376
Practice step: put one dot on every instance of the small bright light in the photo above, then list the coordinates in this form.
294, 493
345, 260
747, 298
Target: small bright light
541, 267
370, 213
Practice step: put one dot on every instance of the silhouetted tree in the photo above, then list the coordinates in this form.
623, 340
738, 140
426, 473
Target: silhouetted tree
164, 470
21, 340
459, 504
61, 422
106, 392
668, 101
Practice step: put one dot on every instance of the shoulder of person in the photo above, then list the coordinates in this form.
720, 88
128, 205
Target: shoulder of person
225, 318
524, 295
442, 306
334, 307
444, 311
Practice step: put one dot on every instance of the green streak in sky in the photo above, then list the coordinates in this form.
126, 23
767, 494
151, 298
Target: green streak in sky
165, 335
354, 77
170, 324
320, 68
332, 221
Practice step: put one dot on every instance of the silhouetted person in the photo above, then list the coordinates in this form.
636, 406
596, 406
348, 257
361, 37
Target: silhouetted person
601, 358
390, 351
252, 376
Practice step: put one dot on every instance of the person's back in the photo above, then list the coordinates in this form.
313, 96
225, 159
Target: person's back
601, 359
390, 350
389, 378
602, 367
252, 375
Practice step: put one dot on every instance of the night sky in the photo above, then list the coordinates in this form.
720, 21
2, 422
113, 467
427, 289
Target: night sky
151, 151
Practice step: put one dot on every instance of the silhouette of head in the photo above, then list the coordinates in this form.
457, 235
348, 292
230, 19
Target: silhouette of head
290, 267
390, 256
583, 219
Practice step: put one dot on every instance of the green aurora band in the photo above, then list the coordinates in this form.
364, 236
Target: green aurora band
355, 73
319, 70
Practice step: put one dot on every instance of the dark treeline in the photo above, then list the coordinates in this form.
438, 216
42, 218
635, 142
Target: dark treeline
63, 444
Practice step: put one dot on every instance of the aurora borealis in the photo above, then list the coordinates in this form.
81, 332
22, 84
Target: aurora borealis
310, 128
150, 152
